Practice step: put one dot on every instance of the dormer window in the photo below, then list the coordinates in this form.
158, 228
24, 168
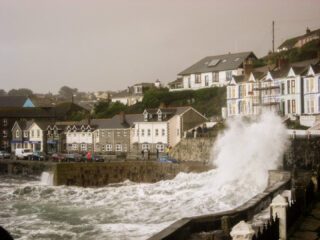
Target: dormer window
82, 128
159, 115
145, 116
17, 133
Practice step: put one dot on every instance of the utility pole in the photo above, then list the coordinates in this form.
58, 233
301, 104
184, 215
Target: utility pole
272, 36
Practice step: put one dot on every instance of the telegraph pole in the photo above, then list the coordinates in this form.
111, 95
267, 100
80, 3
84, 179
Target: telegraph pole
273, 36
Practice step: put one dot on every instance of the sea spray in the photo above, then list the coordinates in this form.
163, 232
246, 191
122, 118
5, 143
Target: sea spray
47, 178
248, 149
242, 155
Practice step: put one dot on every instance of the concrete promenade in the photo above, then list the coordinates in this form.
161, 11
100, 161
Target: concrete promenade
309, 227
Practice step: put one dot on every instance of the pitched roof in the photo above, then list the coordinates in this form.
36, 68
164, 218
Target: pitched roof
115, 121
44, 124
21, 112
218, 63
289, 43
12, 101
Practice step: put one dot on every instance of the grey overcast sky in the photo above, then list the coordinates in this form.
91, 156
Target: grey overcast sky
109, 45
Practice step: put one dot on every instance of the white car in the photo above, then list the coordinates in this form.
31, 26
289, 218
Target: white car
23, 153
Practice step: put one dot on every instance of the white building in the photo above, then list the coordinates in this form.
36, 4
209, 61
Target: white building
38, 136
164, 127
79, 137
212, 71
311, 95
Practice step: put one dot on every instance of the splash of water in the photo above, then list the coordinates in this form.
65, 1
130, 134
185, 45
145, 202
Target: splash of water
47, 178
242, 155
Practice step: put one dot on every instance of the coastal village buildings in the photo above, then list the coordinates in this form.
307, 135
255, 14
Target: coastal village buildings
287, 90
212, 71
79, 137
134, 94
164, 127
113, 135
20, 135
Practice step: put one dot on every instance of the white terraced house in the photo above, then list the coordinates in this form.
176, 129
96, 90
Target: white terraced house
212, 71
79, 137
290, 90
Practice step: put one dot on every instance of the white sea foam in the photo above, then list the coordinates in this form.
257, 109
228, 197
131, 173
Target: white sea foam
242, 156
47, 178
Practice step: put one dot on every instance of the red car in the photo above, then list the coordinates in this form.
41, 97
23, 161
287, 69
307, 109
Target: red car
58, 157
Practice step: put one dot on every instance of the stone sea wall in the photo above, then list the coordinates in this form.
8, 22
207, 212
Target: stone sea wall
193, 149
100, 174
25, 168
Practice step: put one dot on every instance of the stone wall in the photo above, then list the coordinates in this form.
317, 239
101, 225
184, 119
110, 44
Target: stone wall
193, 149
25, 168
100, 174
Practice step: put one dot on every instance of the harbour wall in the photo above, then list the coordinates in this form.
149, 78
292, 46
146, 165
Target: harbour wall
100, 173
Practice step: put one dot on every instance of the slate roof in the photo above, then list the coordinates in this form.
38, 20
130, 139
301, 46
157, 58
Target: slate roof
177, 81
223, 63
44, 124
12, 101
115, 121
22, 112
169, 112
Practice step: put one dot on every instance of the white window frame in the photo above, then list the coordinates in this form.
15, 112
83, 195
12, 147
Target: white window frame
118, 147
163, 132
74, 146
149, 132
157, 132
118, 133
102, 148
145, 146
160, 147
108, 147
142, 132
38, 133
25, 133
5, 122
17, 133
83, 147
125, 148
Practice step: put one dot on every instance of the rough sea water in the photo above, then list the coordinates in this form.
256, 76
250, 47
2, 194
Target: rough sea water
32, 209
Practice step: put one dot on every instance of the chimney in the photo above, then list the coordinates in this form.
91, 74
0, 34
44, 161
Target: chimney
122, 117
308, 30
282, 62
162, 105
248, 66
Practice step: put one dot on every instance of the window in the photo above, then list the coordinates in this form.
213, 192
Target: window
157, 132
293, 86
74, 146
288, 103
83, 147
307, 86
5, 122
145, 146
17, 133
25, 145
206, 80
142, 132
89, 134
288, 87
228, 75
124, 133
102, 148
229, 92
25, 133
118, 133
214, 77
198, 78
4, 133
160, 147
118, 147
108, 147
83, 135
149, 132
125, 149
97, 133
312, 106
293, 106
109, 133
163, 132
282, 88
312, 85
233, 92
32, 133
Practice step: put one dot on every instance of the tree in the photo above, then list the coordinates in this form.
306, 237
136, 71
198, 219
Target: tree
67, 92
3, 92
20, 92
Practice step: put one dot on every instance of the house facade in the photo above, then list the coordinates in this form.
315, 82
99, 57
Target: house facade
20, 135
113, 135
56, 137
79, 138
164, 127
38, 136
212, 71
311, 86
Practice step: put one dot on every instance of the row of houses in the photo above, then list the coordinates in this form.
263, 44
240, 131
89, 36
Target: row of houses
289, 89
154, 130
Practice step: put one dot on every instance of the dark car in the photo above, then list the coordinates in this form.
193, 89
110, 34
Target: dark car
4, 154
58, 157
41, 156
166, 159
73, 157
94, 158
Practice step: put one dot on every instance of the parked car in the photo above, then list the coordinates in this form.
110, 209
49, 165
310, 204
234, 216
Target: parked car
94, 158
23, 153
58, 157
41, 156
74, 157
4, 154
166, 159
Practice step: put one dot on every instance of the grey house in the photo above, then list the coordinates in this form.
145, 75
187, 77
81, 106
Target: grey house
113, 135
56, 137
20, 134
